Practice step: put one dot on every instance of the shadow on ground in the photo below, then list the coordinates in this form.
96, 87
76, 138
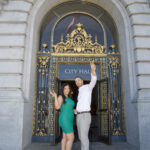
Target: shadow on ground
76, 146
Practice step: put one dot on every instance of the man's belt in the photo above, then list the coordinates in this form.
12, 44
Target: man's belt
83, 112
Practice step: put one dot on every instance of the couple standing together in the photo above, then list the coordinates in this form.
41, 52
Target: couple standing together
83, 120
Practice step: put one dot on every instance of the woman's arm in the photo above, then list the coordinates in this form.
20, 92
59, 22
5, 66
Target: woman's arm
58, 100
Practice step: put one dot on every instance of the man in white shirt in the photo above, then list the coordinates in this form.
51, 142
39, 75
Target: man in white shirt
84, 106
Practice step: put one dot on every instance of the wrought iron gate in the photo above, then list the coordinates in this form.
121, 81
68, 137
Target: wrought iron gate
78, 48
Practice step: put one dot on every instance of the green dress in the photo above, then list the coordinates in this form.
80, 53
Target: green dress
67, 116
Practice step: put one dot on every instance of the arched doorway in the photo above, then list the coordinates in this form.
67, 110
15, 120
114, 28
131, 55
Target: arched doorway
101, 32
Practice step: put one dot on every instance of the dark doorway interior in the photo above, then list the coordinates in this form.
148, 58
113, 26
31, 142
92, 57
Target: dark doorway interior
95, 123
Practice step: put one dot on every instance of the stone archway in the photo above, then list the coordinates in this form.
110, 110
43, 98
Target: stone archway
122, 21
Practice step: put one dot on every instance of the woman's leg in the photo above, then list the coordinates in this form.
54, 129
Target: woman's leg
70, 139
63, 142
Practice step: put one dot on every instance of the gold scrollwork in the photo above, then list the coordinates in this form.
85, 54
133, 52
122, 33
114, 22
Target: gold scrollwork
114, 64
43, 60
41, 134
78, 41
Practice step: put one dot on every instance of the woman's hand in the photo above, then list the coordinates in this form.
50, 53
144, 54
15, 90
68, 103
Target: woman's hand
75, 111
58, 100
53, 93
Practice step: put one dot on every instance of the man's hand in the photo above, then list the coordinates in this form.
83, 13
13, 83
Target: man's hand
93, 68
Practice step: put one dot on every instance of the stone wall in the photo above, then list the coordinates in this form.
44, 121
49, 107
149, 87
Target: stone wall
139, 13
13, 23
15, 92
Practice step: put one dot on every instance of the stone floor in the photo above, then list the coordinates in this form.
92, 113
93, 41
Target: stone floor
76, 146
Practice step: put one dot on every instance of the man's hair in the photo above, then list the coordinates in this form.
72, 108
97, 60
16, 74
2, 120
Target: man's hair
78, 77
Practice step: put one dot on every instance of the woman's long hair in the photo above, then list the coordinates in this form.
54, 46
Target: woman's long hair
62, 92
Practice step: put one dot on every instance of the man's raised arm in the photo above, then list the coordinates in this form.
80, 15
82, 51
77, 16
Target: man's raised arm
93, 68
93, 75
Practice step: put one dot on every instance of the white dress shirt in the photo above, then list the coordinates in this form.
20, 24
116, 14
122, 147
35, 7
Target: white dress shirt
84, 96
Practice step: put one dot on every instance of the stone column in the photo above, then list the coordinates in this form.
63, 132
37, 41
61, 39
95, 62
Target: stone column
13, 21
139, 12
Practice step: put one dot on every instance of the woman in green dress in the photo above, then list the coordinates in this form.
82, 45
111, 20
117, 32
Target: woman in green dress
65, 104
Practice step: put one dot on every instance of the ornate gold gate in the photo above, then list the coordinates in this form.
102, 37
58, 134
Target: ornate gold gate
78, 48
